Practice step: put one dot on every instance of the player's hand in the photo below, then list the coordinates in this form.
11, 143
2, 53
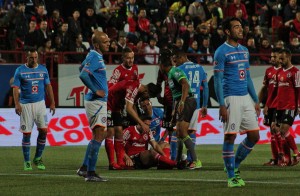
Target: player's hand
18, 109
180, 107
145, 128
128, 162
52, 109
203, 112
160, 100
257, 109
265, 110
100, 93
223, 114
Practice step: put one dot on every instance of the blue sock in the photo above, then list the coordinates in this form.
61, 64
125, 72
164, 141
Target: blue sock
86, 157
40, 144
228, 157
93, 155
193, 138
242, 152
26, 146
173, 146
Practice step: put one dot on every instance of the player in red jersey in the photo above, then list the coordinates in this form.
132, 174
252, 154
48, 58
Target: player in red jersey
136, 153
125, 71
288, 103
268, 95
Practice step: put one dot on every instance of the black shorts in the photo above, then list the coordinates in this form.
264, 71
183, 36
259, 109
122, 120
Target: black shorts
138, 164
270, 117
166, 122
190, 106
285, 117
114, 119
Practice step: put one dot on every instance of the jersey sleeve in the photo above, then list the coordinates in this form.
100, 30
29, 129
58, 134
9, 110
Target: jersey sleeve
178, 74
46, 78
17, 78
265, 81
219, 61
115, 77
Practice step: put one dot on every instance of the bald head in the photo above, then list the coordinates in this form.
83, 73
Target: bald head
100, 41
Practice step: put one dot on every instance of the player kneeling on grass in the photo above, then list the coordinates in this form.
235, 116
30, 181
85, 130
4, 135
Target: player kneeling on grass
137, 157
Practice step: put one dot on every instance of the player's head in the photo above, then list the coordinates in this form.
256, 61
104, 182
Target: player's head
145, 105
100, 41
179, 57
285, 57
32, 58
146, 119
273, 57
128, 57
165, 59
153, 90
233, 28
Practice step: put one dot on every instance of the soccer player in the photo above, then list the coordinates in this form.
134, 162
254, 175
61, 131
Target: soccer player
137, 156
268, 94
125, 71
93, 75
235, 92
197, 79
31, 80
184, 105
288, 104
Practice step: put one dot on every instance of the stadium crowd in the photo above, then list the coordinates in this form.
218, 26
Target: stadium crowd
147, 26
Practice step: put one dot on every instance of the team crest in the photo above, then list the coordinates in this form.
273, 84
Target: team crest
23, 127
242, 74
232, 126
215, 63
145, 137
41, 75
289, 75
246, 55
281, 79
103, 120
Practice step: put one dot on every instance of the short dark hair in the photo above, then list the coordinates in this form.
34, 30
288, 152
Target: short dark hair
226, 24
153, 89
145, 117
165, 57
126, 50
286, 51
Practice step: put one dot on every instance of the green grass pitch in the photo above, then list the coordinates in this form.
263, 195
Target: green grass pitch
60, 177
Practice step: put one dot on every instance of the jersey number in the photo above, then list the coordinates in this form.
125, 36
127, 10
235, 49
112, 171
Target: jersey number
194, 77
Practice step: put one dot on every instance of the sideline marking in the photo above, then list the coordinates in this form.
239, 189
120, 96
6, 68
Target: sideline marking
142, 178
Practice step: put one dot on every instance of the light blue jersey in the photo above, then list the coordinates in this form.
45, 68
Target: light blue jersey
234, 63
196, 77
31, 82
96, 69
157, 116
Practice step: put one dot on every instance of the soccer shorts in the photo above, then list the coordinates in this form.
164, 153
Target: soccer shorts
285, 117
96, 112
114, 119
242, 115
33, 113
194, 121
190, 106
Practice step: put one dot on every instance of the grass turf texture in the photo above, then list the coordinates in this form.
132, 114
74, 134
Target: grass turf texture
60, 177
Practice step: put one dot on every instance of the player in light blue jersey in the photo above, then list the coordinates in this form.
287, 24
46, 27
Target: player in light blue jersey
93, 75
29, 90
197, 79
236, 94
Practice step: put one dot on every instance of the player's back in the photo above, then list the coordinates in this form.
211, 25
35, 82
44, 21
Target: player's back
270, 83
233, 62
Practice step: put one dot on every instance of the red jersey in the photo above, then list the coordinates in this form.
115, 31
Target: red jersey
270, 83
136, 142
288, 82
168, 99
121, 91
122, 73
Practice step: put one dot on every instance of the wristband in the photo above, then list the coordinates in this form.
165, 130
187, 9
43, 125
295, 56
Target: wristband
181, 103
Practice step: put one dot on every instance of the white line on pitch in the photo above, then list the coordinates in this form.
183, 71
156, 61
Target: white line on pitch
143, 178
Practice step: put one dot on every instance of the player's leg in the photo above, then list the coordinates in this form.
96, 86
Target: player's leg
192, 130
26, 151
119, 146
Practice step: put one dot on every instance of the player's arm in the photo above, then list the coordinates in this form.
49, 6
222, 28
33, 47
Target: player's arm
86, 79
297, 90
50, 94
127, 159
130, 110
115, 77
251, 91
156, 147
184, 93
16, 94
205, 93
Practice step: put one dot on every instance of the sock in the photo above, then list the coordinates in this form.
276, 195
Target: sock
179, 149
86, 157
228, 157
279, 142
291, 142
193, 138
110, 150
93, 155
190, 146
40, 144
119, 148
165, 160
274, 147
242, 152
287, 152
26, 146
173, 146
167, 152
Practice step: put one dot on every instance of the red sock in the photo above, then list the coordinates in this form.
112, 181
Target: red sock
279, 142
119, 148
109, 147
287, 151
291, 142
167, 152
274, 147
165, 160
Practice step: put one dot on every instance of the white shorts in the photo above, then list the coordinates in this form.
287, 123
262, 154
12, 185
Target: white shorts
96, 112
33, 113
242, 115
194, 121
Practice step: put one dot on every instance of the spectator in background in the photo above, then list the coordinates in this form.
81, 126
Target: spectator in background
294, 24
252, 50
178, 45
207, 51
265, 50
40, 15
239, 15
202, 31
280, 44
77, 46
179, 8
47, 47
295, 49
74, 27
197, 12
10, 96
102, 9
139, 51
143, 24
218, 37
289, 11
258, 35
151, 52
113, 47
55, 22
30, 41
163, 36
236, 5
193, 49
57, 45
122, 43
64, 35
43, 34
189, 36
88, 23
171, 24
254, 21
216, 14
